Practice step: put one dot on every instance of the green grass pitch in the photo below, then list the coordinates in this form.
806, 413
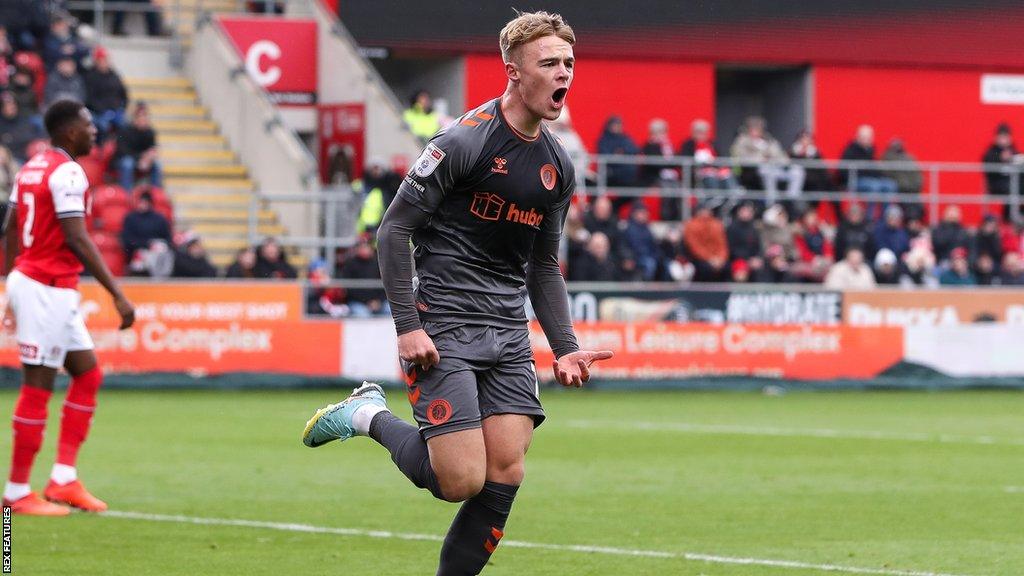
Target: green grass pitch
880, 482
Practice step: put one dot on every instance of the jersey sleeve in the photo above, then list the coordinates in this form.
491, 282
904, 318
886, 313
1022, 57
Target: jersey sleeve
68, 184
447, 159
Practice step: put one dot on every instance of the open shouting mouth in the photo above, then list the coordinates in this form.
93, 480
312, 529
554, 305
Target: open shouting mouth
558, 98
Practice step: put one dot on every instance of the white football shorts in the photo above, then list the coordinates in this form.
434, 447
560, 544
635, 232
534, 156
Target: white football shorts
49, 322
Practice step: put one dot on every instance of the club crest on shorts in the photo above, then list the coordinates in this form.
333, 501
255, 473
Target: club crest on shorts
548, 176
439, 411
428, 161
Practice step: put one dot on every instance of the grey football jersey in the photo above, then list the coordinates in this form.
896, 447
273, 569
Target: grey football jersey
490, 192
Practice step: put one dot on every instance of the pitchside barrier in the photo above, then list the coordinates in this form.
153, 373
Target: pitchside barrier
253, 334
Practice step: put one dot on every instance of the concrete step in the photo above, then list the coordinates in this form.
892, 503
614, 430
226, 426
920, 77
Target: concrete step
174, 84
222, 259
200, 156
213, 229
209, 5
213, 199
230, 245
178, 112
189, 184
194, 142
185, 126
158, 96
206, 170
197, 216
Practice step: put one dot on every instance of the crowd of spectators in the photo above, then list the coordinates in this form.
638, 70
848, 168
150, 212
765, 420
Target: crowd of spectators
746, 244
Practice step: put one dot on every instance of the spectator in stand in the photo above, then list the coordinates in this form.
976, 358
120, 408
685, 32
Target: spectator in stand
817, 178
137, 150
64, 84
6, 57
850, 273
742, 234
854, 232
22, 87
1013, 270
105, 94
950, 233
676, 265
756, 145
988, 240
919, 263
887, 270
658, 144
271, 261
776, 269
595, 264
154, 25
908, 180
707, 246
16, 130
814, 249
362, 264
8, 172
641, 243
244, 265
614, 140
322, 298
701, 148
740, 271
1002, 151
959, 271
984, 269
146, 239
191, 260
576, 235
777, 231
601, 218
891, 233
563, 131
27, 22
869, 180
62, 43
420, 116
378, 188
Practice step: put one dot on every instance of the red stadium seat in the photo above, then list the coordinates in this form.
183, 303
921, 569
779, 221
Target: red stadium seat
110, 205
110, 249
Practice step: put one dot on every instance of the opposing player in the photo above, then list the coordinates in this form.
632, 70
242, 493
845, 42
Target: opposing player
484, 205
47, 220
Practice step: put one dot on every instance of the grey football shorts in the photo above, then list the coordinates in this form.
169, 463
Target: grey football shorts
483, 371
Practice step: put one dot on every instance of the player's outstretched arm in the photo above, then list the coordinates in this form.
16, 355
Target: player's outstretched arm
79, 242
395, 257
551, 304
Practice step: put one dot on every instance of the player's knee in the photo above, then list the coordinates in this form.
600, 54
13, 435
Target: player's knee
511, 472
462, 485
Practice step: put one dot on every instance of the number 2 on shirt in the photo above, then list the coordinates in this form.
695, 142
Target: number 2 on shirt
29, 200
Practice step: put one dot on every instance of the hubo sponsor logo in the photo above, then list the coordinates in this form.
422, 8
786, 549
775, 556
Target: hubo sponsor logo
488, 206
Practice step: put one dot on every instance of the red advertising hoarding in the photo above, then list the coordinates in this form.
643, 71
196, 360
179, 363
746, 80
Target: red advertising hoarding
342, 136
279, 54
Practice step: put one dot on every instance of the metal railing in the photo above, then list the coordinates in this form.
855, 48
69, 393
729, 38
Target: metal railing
932, 194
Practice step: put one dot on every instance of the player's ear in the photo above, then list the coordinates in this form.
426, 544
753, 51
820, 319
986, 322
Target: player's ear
512, 71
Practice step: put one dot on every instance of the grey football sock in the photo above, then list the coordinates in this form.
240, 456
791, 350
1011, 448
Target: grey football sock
476, 530
408, 450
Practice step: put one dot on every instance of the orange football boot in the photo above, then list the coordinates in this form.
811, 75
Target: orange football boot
74, 494
33, 505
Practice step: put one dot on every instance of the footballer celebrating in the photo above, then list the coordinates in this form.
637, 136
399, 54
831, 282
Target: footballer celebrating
47, 222
484, 206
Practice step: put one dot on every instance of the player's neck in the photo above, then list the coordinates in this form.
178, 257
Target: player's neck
518, 115
65, 150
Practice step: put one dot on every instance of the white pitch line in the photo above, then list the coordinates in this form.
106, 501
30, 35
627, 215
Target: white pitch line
1014, 489
730, 429
691, 556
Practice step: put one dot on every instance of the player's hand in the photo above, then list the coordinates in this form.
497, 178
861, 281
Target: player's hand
10, 321
416, 347
127, 312
574, 369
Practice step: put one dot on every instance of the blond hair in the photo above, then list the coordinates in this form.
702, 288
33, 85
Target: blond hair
529, 26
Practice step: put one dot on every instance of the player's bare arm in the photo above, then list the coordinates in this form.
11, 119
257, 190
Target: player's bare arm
78, 240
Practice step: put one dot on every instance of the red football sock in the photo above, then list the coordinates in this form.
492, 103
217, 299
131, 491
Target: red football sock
29, 421
77, 415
